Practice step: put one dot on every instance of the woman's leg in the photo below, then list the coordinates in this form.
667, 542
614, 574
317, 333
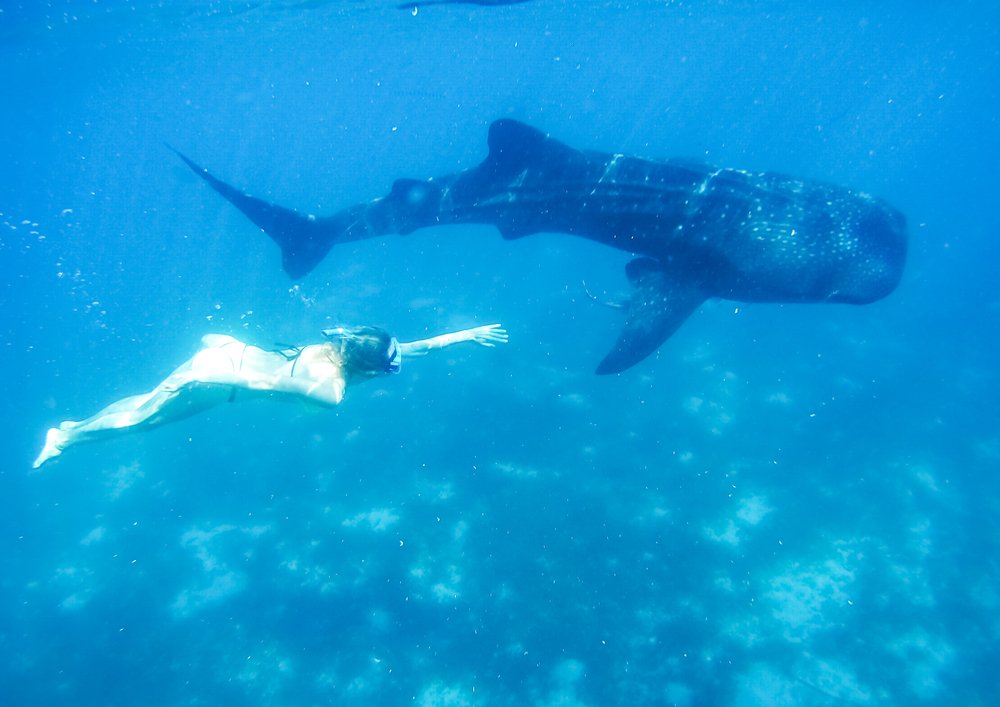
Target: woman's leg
177, 397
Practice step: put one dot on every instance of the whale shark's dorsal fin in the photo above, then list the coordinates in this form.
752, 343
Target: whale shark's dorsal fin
663, 299
514, 146
520, 158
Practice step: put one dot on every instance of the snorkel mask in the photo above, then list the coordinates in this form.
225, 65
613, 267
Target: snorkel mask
394, 359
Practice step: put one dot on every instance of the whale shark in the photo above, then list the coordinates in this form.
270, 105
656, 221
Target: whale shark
696, 231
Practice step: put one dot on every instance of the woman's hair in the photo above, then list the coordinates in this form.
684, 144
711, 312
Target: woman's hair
364, 350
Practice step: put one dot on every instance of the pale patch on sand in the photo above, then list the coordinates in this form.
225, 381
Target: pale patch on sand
515, 471
122, 479
714, 415
748, 629
728, 533
368, 683
443, 491
779, 398
811, 682
312, 575
265, 672
576, 400
693, 404
566, 677
223, 582
443, 585
79, 581
199, 540
658, 511
927, 657
806, 599
448, 590
834, 679
925, 477
377, 519
94, 536
762, 686
438, 694
438, 573
751, 511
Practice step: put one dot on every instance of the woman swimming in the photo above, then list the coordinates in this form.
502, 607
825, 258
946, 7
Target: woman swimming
226, 369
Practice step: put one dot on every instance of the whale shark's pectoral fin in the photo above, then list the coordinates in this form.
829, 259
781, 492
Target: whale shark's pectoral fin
304, 240
662, 300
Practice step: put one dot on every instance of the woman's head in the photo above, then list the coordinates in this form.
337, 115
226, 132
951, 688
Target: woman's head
365, 350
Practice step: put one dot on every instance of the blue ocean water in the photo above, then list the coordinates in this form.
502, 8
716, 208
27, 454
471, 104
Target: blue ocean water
786, 505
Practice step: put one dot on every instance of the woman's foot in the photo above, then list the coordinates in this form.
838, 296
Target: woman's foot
55, 442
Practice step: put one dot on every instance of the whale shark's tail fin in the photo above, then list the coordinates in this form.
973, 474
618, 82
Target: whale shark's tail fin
661, 302
304, 240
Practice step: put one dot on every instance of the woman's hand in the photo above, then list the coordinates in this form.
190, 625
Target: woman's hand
489, 335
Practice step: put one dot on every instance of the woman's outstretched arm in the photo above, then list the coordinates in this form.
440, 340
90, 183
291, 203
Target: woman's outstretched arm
489, 335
